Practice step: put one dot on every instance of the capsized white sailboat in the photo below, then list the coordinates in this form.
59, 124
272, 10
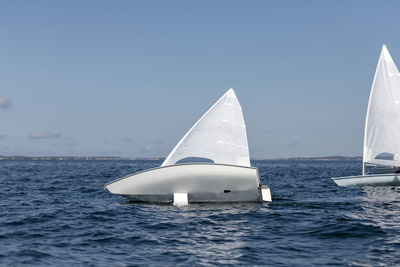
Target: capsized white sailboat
211, 163
382, 127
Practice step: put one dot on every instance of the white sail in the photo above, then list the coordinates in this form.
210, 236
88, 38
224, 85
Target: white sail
219, 136
382, 126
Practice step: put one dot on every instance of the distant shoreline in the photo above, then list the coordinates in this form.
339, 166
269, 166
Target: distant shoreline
71, 158
329, 158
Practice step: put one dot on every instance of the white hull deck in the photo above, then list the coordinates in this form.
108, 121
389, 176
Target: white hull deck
391, 179
200, 182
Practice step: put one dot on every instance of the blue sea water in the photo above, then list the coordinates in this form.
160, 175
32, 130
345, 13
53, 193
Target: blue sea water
57, 213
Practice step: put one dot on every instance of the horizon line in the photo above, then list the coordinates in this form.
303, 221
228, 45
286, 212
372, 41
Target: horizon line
163, 158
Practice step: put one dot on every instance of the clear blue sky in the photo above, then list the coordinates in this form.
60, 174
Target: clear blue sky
129, 78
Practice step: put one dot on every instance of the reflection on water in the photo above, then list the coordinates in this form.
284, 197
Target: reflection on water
206, 231
381, 194
380, 209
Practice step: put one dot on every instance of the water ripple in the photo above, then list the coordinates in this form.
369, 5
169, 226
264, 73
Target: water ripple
57, 213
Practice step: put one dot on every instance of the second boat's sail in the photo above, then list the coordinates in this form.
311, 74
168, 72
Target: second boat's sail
219, 136
382, 127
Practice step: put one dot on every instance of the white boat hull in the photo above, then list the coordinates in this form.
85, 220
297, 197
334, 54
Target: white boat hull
392, 179
201, 183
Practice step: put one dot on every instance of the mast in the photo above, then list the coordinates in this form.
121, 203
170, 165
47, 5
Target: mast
363, 168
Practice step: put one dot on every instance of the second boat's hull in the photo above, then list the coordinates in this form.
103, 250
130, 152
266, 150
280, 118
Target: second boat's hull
392, 179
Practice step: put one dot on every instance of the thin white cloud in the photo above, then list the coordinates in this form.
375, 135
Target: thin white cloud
44, 135
5, 102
